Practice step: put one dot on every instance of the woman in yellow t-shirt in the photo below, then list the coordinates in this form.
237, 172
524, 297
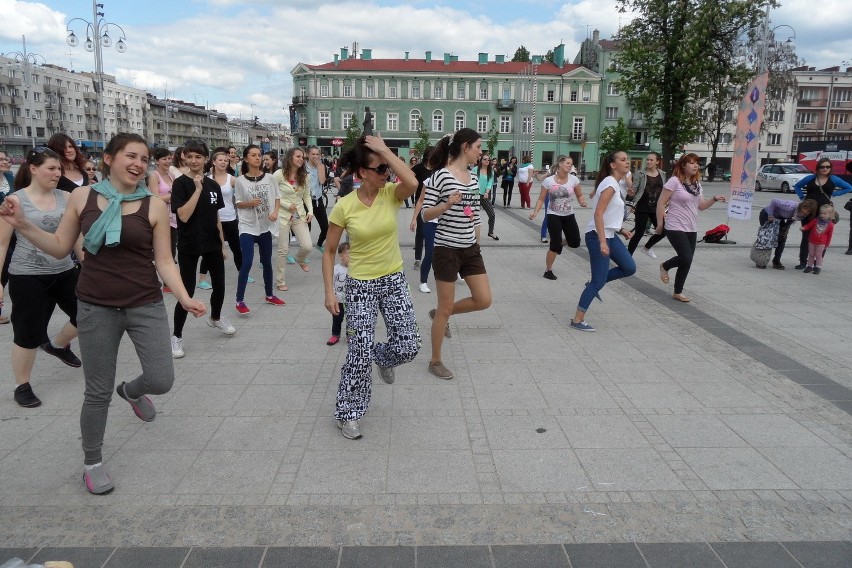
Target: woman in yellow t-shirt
376, 282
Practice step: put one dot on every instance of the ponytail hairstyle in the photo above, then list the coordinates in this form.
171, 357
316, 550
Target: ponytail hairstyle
555, 167
679, 172
301, 174
35, 157
450, 147
117, 143
244, 167
606, 169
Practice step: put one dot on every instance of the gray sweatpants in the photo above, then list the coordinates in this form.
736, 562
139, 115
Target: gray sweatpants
101, 330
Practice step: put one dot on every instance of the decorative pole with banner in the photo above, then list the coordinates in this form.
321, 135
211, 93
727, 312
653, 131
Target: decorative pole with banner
746, 148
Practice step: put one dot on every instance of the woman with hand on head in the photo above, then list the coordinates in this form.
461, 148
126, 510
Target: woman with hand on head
677, 211
38, 282
126, 242
452, 197
73, 162
294, 212
376, 282
602, 234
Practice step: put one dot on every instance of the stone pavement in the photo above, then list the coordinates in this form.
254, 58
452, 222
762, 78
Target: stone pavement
724, 421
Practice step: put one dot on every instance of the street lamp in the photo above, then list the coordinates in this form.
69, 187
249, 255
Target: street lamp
26, 60
97, 36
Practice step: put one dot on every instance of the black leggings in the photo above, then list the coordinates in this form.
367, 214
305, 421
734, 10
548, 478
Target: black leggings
418, 239
684, 245
642, 218
507, 186
557, 225
322, 219
486, 206
231, 232
187, 263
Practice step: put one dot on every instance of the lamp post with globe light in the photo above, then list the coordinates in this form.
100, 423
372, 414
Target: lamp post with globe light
97, 36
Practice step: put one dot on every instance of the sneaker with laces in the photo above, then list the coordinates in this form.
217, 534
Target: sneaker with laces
177, 347
649, 252
222, 325
349, 429
439, 370
242, 308
581, 325
416, 264
447, 332
96, 479
142, 406
275, 301
549, 275
25, 396
290, 260
817, 270
64, 354
387, 374
808, 269
204, 285
425, 288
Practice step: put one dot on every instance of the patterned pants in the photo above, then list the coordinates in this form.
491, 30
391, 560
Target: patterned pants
364, 300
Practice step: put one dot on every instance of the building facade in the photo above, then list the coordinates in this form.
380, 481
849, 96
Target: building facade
171, 123
823, 107
541, 108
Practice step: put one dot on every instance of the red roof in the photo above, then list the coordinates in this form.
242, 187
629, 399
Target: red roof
609, 44
437, 66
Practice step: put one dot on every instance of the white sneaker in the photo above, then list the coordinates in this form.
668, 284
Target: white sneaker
222, 325
649, 252
424, 288
177, 347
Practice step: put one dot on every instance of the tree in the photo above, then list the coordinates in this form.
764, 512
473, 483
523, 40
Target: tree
522, 54
615, 138
673, 53
422, 138
492, 137
548, 57
353, 133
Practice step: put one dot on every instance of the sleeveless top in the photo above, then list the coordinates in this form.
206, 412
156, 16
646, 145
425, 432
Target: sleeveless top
122, 276
164, 189
228, 212
29, 260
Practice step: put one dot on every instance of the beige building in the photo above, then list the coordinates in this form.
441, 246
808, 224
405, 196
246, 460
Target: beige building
823, 107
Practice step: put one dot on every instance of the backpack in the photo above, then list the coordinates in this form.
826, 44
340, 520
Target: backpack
716, 234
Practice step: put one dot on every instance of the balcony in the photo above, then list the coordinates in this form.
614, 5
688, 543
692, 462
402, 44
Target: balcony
300, 99
579, 136
840, 126
505, 104
808, 125
637, 123
811, 103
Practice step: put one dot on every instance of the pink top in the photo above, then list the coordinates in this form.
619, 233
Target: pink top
682, 213
165, 189
816, 237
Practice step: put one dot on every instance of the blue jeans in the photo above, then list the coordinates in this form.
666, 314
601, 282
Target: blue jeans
429, 242
264, 244
601, 272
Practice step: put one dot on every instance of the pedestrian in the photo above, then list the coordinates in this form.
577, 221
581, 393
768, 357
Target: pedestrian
178, 167
295, 211
256, 199
7, 186
786, 212
37, 281
649, 184
485, 176
73, 162
601, 240
217, 170
234, 165
821, 187
91, 171
452, 197
677, 210
421, 172
559, 190
269, 162
507, 182
376, 282
317, 176
820, 230
126, 243
525, 179
160, 184
341, 271
197, 199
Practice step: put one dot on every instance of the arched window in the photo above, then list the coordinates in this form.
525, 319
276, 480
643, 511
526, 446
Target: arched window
437, 121
414, 120
460, 120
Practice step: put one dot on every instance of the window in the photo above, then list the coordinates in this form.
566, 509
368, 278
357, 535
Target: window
573, 96
702, 139
526, 124
371, 91
47, 80
776, 116
805, 118
437, 121
77, 87
481, 123
551, 95
808, 94
505, 124
393, 121
438, 91
549, 125
392, 92
346, 119
842, 96
415, 91
324, 90
303, 91
611, 113
324, 120
587, 94
729, 115
4, 131
3, 111
347, 90
726, 138
579, 129
37, 114
774, 139
36, 97
460, 92
483, 92
611, 89
460, 120
414, 121
17, 131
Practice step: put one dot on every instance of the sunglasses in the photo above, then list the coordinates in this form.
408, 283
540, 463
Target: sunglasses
825, 167
381, 169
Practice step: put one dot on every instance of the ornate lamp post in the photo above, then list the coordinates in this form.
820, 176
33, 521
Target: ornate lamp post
27, 60
97, 36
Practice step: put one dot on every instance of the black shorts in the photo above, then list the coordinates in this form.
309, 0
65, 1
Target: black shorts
33, 299
450, 263
557, 225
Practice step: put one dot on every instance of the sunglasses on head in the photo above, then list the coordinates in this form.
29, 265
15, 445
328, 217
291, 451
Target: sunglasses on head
39, 149
381, 169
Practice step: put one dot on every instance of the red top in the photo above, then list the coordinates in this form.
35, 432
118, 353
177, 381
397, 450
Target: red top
817, 238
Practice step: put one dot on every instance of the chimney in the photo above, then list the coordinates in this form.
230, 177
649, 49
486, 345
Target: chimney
406, 56
428, 57
483, 58
366, 54
336, 59
446, 58
344, 53
596, 36
499, 59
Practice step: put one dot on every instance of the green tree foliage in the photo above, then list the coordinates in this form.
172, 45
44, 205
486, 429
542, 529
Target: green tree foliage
673, 53
616, 138
422, 139
548, 57
522, 54
491, 138
353, 133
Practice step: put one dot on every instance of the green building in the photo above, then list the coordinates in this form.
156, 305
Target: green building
541, 108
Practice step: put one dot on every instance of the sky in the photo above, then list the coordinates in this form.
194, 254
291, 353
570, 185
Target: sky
236, 56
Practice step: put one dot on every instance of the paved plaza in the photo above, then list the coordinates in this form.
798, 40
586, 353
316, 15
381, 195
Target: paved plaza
715, 433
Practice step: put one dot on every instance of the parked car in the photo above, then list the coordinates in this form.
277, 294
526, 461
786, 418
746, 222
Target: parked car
780, 177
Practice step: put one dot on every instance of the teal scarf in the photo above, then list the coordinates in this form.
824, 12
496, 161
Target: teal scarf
107, 229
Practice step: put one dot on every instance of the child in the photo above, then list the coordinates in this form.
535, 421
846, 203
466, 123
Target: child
821, 228
340, 273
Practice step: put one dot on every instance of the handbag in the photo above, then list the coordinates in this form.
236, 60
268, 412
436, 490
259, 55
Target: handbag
767, 235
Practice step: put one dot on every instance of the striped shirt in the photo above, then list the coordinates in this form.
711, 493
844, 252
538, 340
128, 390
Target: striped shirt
455, 228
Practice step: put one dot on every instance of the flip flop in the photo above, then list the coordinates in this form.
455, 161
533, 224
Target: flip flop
304, 266
282, 287
664, 275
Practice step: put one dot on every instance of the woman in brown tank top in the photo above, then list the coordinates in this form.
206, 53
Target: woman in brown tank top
107, 306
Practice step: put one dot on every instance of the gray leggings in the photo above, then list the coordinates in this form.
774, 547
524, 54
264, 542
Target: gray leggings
101, 330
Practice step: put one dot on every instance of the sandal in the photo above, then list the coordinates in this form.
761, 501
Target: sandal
304, 266
495, 237
680, 298
282, 287
664, 275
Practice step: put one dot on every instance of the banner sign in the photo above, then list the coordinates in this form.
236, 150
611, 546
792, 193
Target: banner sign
745, 162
